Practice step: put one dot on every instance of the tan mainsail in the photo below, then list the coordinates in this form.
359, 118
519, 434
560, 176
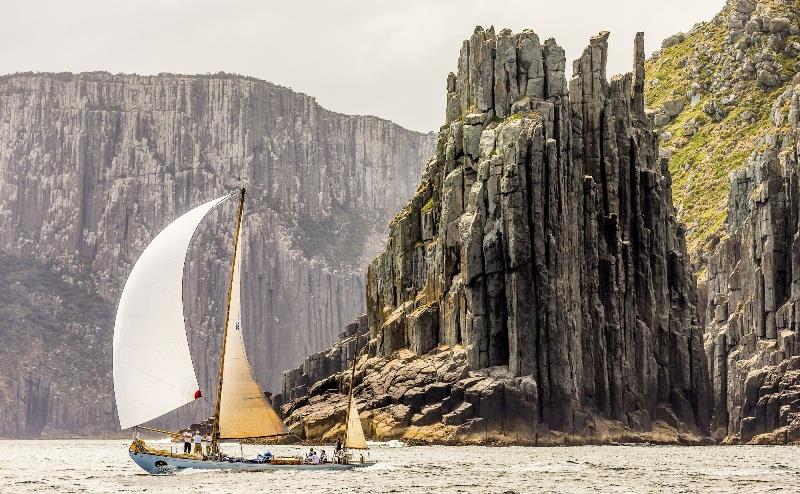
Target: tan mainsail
243, 410
354, 435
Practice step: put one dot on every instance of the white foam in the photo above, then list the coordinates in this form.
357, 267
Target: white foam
189, 470
381, 467
394, 443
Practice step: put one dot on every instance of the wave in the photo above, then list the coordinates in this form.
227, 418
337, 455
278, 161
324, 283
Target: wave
394, 443
378, 467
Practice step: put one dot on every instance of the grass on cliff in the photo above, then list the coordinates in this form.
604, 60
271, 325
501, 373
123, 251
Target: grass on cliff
701, 163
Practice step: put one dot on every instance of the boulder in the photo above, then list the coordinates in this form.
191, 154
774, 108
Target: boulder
429, 415
436, 392
779, 25
768, 79
746, 7
673, 108
459, 415
414, 399
661, 119
672, 40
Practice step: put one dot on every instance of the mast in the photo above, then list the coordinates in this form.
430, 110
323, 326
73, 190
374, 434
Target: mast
350, 394
215, 430
353, 432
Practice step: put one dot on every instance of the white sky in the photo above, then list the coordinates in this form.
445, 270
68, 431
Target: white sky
376, 57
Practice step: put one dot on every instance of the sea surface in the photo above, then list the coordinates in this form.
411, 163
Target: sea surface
100, 466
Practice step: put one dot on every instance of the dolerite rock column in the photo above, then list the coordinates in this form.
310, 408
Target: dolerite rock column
753, 288
542, 240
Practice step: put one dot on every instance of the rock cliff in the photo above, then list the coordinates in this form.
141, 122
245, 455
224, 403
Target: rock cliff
726, 99
726, 110
713, 89
536, 288
753, 291
93, 165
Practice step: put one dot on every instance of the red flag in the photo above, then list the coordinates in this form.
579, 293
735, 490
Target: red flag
197, 394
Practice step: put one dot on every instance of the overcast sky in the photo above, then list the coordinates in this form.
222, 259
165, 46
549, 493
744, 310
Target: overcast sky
372, 57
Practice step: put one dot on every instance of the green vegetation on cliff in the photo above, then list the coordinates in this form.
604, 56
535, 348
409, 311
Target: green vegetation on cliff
713, 90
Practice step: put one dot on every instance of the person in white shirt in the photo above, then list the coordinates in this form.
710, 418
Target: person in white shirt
198, 443
187, 441
315, 458
207, 443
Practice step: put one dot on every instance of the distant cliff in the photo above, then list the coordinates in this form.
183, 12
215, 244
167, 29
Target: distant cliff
537, 287
93, 165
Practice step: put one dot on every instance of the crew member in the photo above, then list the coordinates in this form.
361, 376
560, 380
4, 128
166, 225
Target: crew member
187, 441
337, 452
198, 443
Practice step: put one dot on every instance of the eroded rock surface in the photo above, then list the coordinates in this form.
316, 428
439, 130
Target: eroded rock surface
540, 255
713, 89
753, 289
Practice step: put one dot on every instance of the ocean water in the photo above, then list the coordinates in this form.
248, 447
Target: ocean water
103, 466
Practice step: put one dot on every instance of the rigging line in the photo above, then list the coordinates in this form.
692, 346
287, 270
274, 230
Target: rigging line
171, 385
262, 437
156, 430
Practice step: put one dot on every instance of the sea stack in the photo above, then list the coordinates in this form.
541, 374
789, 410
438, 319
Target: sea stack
536, 288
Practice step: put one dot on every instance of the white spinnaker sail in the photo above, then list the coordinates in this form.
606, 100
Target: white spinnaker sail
153, 372
354, 433
244, 412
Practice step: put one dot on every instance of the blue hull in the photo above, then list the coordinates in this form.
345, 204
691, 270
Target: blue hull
164, 464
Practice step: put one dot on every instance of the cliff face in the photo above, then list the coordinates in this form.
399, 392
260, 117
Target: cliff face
94, 165
753, 291
537, 283
726, 95
713, 88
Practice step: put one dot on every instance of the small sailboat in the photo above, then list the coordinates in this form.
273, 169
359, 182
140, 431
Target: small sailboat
153, 371
353, 432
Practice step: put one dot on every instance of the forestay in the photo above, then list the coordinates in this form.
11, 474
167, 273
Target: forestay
244, 412
153, 372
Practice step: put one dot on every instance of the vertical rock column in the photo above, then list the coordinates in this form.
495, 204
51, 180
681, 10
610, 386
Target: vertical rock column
543, 234
752, 311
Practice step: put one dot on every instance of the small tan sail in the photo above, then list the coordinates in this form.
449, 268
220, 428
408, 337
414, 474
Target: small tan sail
354, 434
243, 410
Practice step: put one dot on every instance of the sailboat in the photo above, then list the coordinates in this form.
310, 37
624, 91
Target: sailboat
354, 432
153, 371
